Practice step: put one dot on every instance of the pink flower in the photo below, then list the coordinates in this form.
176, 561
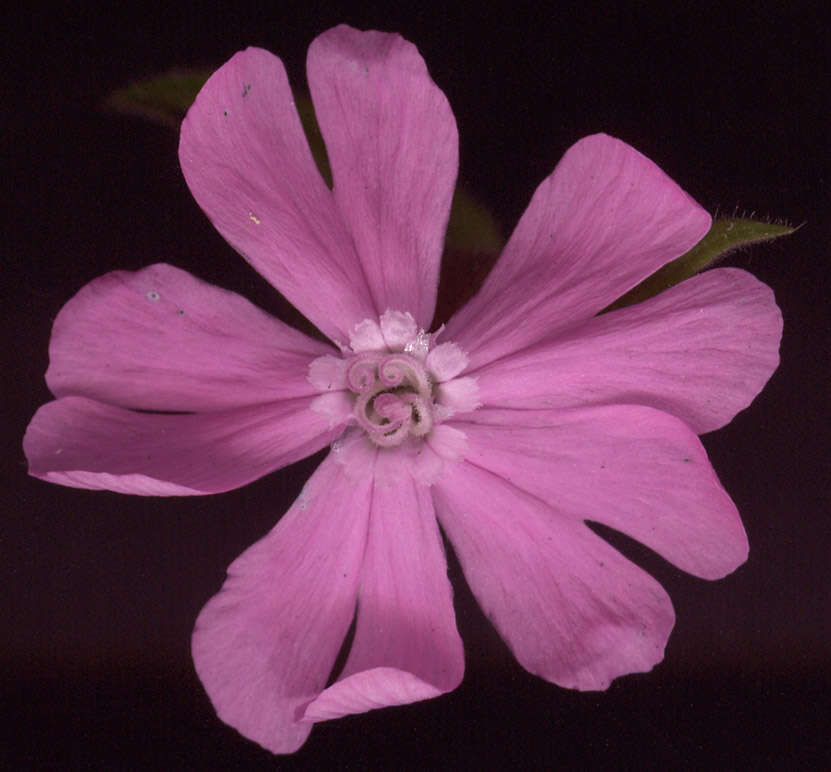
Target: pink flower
526, 416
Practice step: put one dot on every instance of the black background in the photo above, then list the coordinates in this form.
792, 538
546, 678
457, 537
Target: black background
100, 591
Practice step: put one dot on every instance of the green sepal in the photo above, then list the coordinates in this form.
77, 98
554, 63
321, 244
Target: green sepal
161, 99
471, 227
723, 237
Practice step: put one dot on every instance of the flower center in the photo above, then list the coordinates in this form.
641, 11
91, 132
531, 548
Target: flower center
394, 396
397, 383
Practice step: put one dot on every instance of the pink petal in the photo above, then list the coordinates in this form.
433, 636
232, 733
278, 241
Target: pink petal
605, 219
248, 164
633, 468
87, 444
406, 646
393, 147
265, 645
573, 610
161, 339
701, 351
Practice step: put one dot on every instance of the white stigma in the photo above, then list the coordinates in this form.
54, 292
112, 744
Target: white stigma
394, 382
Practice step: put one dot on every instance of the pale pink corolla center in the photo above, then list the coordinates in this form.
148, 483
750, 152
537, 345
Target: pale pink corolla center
396, 384
393, 396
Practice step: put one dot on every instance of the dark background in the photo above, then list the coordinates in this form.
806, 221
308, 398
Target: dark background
100, 591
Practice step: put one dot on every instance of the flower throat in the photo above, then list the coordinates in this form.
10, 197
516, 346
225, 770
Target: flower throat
399, 384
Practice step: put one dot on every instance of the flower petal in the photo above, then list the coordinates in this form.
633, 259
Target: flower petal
633, 468
161, 339
393, 148
702, 351
605, 219
573, 610
406, 645
87, 444
248, 164
265, 645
